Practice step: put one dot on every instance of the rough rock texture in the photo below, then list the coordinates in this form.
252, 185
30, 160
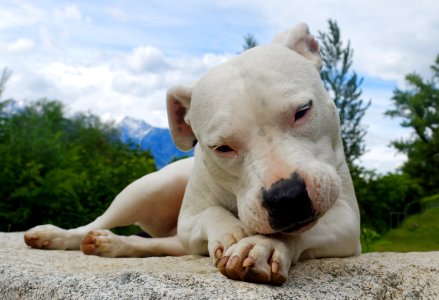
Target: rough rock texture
40, 274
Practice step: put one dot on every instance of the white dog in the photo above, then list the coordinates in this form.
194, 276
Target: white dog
268, 186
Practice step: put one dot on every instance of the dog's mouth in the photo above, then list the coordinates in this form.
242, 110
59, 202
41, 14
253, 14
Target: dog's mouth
300, 226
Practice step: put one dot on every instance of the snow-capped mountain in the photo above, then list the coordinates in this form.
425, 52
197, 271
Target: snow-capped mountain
133, 130
157, 140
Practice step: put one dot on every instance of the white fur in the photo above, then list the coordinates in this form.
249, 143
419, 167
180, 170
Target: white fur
248, 104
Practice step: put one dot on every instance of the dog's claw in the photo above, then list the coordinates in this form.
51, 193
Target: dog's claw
222, 262
233, 263
218, 253
234, 269
248, 262
274, 267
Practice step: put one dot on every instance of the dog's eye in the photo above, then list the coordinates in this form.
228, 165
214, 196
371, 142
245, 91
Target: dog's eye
223, 149
301, 111
299, 114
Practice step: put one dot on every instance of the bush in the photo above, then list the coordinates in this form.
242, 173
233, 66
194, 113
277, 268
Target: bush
379, 196
430, 202
58, 170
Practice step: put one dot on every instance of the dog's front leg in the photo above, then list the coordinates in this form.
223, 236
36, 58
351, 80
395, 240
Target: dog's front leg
210, 231
208, 221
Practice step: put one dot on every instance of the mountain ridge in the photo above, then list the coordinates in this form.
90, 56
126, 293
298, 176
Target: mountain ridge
155, 139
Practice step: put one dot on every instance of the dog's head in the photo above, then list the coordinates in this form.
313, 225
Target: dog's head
267, 131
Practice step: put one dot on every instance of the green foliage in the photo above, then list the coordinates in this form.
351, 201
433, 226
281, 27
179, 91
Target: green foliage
418, 233
418, 108
344, 87
430, 202
380, 195
249, 42
58, 170
368, 237
3, 79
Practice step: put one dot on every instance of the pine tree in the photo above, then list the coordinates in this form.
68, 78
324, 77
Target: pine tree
344, 87
3, 79
249, 42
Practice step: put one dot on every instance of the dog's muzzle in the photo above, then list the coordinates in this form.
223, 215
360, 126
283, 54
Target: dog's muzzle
288, 205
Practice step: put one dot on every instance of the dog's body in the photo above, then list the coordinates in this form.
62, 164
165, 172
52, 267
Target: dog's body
268, 185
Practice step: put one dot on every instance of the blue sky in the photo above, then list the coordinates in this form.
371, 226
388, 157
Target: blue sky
117, 58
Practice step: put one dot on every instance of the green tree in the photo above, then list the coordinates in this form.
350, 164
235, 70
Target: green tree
6, 73
418, 109
59, 170
344, 87
249, 42
381, 195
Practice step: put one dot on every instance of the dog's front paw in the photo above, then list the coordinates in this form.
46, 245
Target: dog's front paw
217, 247
257, 259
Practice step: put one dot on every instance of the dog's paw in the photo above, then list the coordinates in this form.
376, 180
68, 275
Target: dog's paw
103, 243
51, 237
217, 247
257, 259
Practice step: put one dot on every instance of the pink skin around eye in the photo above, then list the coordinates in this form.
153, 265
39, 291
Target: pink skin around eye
296, 123
302, 119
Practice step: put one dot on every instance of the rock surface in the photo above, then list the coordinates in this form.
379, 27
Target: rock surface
41, 274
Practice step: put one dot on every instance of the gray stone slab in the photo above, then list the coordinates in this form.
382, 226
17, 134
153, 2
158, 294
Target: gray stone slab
42, 274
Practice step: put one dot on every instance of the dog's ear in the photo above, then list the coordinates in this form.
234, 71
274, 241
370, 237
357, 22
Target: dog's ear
178, 100
301, 41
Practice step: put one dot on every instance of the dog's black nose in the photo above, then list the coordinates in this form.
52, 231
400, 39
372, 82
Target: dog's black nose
288, 205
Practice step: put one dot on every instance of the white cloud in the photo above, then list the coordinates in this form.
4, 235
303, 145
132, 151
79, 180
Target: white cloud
111, 88
46, 37
381, 130
117, 13
139, 86
390, 38
146, 60
381, 158
68, 12
24, 83
19, 13
78, 77
22, 45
